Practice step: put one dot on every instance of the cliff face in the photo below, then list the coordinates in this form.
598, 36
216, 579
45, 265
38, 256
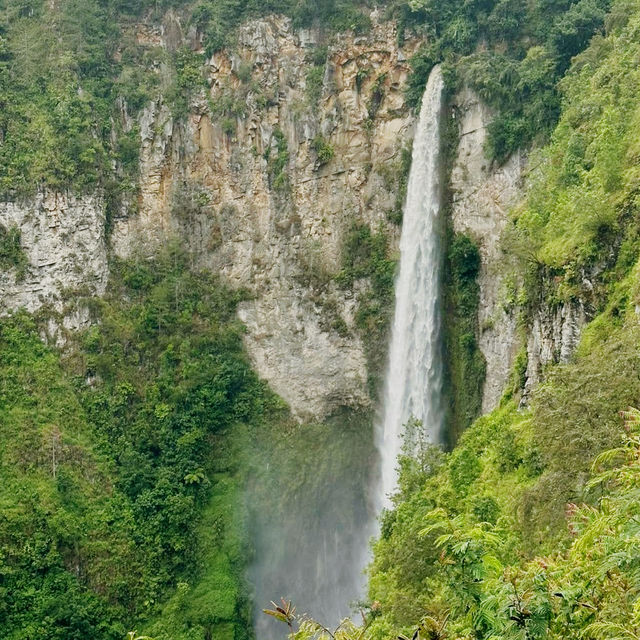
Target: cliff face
267, 198
63, 240
263, 179
482, 196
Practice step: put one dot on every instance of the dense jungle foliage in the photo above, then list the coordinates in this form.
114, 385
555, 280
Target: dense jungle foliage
125, 462
122, 464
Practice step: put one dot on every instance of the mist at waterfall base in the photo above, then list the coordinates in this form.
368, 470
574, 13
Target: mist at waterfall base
312, 513
414, 378
316, 501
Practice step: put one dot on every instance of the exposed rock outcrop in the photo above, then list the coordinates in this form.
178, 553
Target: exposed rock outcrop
482, 196
63, 237
265, 191
553, 337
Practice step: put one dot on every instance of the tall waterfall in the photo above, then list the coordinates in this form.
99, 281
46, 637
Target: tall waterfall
413, 387
312, 545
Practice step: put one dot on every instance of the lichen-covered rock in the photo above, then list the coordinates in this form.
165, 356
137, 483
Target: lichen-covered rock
553, 337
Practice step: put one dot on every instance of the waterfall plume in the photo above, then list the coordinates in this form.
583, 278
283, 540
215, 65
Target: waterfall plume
313, 548
414, 378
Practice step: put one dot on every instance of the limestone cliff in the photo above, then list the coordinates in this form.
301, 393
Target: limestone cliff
482, 195
262, 179
63, 238
265, 195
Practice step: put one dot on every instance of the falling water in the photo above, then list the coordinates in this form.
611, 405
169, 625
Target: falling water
311, 544
413, 387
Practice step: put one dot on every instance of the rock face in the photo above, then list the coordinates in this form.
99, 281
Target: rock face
63, 238
272, 168
263, 179
553, 337
482, 196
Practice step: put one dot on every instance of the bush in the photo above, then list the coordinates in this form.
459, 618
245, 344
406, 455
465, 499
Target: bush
12, 255
324, 151
489, 45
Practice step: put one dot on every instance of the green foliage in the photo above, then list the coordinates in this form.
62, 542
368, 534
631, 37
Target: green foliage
324, 151
12, 255
53, 133
513, 53
64, 530
589, 590
396, 176
188, 78
125, 466
466, 365
218, 20
277, 156
366, 254
476, 577
582, 200
338, 15
313, 84
174, 386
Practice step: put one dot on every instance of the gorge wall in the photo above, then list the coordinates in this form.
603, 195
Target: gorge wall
482, 196
273, 210
263, 179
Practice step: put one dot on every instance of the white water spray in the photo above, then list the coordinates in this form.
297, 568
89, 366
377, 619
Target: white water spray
413, 387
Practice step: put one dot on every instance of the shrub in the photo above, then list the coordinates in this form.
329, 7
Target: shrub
324, 151
12, 255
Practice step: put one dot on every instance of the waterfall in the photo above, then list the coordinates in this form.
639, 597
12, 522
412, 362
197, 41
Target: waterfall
413, 386
311, 545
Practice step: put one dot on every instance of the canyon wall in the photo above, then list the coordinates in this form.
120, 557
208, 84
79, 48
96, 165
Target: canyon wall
263, 179
266, 197
482, 196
